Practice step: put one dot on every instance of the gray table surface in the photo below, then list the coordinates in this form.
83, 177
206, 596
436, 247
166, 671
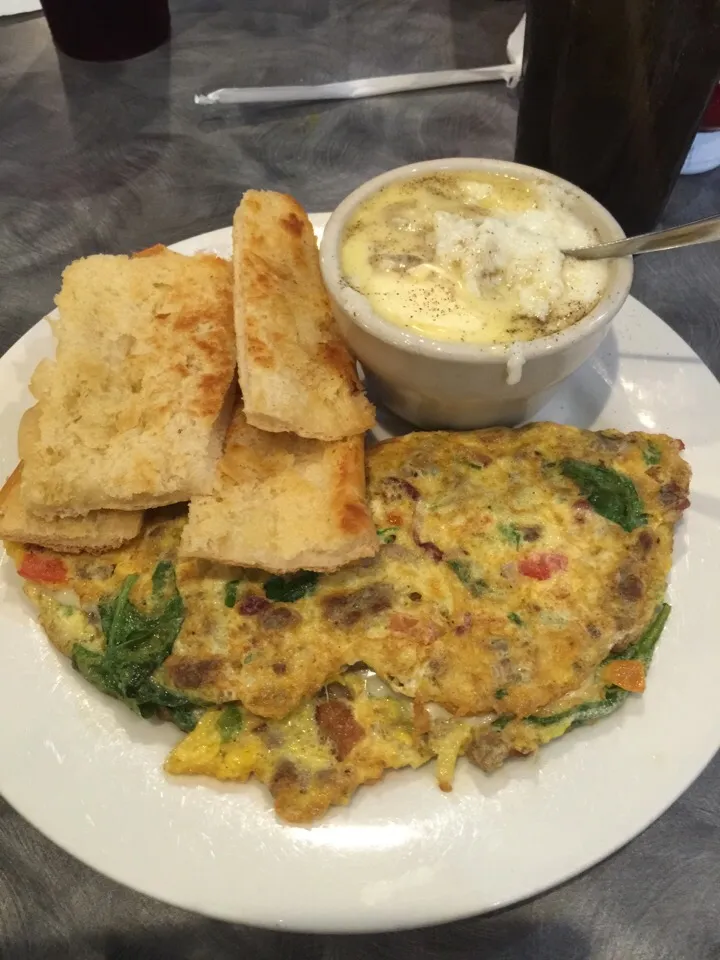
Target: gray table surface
116, 157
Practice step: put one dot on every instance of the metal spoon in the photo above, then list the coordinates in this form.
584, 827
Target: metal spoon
701, 231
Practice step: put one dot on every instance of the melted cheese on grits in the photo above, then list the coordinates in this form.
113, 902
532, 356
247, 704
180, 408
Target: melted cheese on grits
472, 257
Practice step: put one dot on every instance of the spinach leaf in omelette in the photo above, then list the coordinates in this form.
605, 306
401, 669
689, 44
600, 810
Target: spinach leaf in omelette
652, 455
510, 534
292, 587
464, 572
593, 710
609, 493
231, 589
230, 722
387, 535
136, 643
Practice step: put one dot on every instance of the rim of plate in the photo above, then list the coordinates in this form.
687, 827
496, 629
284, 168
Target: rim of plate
401, 854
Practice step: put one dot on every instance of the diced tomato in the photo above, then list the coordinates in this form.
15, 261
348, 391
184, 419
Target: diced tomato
43, 568
628, 674
541, 566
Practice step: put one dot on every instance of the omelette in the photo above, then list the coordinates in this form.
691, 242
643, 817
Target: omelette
355, 729
518, 593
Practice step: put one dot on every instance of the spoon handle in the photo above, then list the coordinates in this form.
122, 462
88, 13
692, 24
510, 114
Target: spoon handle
700, 231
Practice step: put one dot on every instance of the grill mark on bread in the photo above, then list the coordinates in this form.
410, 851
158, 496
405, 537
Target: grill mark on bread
260, 352
355, 517
293, 224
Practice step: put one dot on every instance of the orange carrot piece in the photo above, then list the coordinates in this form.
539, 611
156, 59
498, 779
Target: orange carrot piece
627, 674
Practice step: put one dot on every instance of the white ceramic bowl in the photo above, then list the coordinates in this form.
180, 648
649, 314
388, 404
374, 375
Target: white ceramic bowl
436, 383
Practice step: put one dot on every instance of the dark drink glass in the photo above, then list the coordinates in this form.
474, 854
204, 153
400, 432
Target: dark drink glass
107, 29
612, 94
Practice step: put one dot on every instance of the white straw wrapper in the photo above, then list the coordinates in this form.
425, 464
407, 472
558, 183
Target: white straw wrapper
375, 86
355, 89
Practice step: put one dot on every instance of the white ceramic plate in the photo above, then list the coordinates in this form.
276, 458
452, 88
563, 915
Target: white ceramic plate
89, 775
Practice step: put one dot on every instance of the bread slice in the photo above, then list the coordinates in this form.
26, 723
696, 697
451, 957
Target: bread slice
295, 372
283, 503
133, 411
29, 429
95, 533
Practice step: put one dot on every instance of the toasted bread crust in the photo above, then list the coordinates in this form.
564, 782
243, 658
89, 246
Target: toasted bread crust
295, 372
130, 410
94, 533
283, 503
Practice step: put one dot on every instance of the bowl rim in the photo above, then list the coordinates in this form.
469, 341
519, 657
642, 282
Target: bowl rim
357, 308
